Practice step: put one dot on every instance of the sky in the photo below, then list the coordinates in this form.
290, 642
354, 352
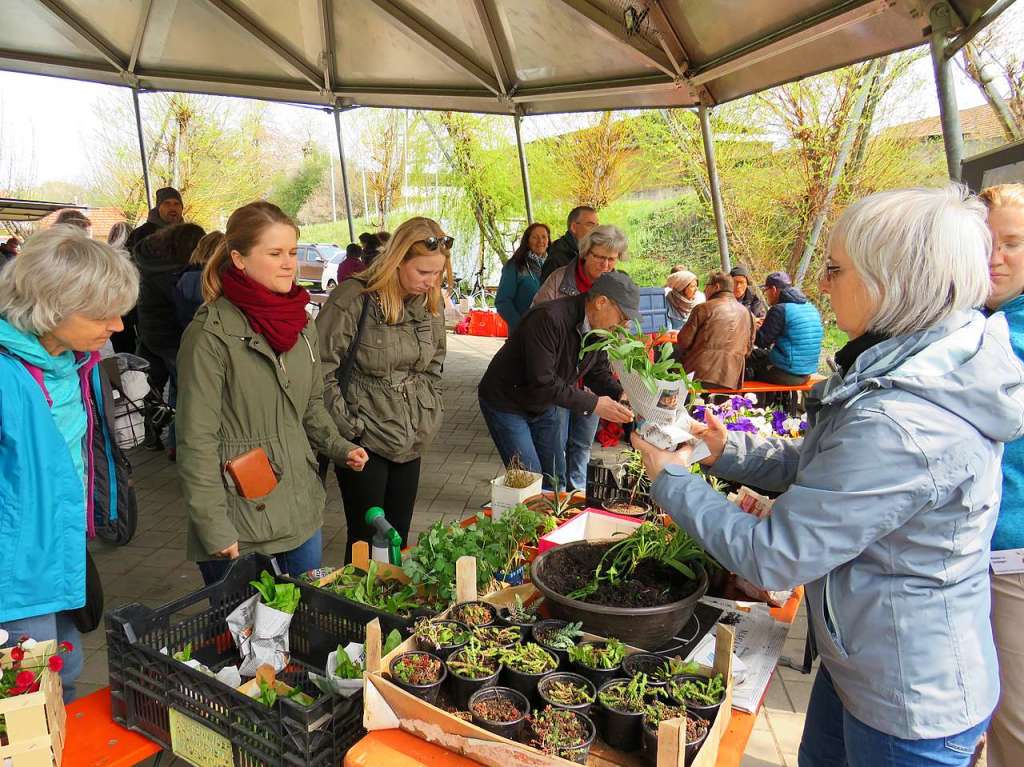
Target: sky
50, 123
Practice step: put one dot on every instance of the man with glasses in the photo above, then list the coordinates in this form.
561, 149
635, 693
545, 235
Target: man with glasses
788, 344
563, 250
538, 373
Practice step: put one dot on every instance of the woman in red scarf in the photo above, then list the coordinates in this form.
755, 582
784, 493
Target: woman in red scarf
249, 380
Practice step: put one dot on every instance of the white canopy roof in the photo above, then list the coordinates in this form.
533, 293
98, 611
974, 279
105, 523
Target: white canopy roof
537, 56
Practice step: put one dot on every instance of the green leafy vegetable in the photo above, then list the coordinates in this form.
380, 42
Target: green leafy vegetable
279, 596
184, 654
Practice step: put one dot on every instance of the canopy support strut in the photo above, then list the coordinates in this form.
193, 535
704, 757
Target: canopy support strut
942, 21
344, 176
713, 185
524, 168
142, 148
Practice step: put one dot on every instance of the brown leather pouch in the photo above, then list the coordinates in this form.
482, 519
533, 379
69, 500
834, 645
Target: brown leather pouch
252, 473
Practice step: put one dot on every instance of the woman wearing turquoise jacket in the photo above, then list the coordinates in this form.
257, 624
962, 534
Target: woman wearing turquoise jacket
520, 277
1006, 272
61, 473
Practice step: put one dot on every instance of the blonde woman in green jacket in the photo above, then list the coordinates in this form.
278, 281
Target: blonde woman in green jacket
249, 378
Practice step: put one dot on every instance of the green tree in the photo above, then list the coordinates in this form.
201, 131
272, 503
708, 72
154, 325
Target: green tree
293, 190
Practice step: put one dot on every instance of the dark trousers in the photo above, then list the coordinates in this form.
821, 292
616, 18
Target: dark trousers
760, 369
384, 483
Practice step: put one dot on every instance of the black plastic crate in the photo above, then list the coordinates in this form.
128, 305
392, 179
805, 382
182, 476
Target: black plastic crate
602, 487
146, 684
331, 601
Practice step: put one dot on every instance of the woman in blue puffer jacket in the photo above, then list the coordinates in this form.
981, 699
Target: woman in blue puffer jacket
888, 504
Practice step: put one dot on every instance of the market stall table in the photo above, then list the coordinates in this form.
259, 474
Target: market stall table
396, 748
94, 739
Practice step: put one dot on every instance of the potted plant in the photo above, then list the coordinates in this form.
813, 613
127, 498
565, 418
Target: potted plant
497, 636
513, 487
442, 637
472, 668
563, 733
659, 671
419, 673
657, 712
524, 665
700, 694
568, 691
499, 710
474, 614
623, 702
599, 662
557, 636
519, 616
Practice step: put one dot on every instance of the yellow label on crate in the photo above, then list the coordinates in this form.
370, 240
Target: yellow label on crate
197, 744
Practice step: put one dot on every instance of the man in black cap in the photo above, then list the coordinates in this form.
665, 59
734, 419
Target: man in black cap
788, 344
169, 210
745, 295
539, 370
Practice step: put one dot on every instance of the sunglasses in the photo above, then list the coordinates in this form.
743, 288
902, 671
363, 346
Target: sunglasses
433, 243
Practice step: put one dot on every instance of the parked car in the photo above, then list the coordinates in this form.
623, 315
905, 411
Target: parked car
329, 278
312, 258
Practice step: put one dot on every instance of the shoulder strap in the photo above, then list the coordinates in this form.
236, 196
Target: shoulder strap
344, 373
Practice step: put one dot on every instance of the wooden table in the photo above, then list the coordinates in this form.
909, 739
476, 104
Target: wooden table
396, 748
94, 739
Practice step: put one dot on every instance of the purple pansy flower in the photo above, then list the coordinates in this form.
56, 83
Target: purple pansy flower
698, 413
778, 419
742, 424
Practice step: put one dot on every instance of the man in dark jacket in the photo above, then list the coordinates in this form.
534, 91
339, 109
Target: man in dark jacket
539, 370
567, 247
9, 250
169, 210
789, 341
745, 295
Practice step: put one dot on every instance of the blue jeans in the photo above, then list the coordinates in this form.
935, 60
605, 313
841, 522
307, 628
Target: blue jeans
535, 440
833, 738
60, 627
308, 556
578, 432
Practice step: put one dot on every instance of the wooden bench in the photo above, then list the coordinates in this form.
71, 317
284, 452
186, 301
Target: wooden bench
791, 397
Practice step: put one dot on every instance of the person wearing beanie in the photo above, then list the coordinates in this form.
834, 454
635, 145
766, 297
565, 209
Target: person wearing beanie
745, 295
788, 344
681, 295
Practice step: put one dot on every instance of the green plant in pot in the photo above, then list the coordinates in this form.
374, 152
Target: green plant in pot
557, 636
624, 702
659, 671
473, 667
520, 616
563, 733
474, 614
419, 673
499, 710
700, 694
657, 712
497, 636
442, 637
567, 690
598, 661
524, 665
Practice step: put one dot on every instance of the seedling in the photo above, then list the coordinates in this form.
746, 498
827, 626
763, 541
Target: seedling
497, 709
268, 695
658, 711
631, 350
369, 588
674, 667
279, 596
517, 613
474, 614
626, 695
474, 661
346, 668
706, 693
559, 732
439, 634
596, 655
496, 636
517, 476
529, 658
417, 669
562, 638
568, 693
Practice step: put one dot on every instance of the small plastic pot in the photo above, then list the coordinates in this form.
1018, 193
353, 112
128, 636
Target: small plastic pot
650, 743
599, 676
462, 688
564, 676
444, 651
427, 692
524, 682
508, 730
580, 753
621, 729
524, 628
708, 713
538, 630
457, 614
644, 663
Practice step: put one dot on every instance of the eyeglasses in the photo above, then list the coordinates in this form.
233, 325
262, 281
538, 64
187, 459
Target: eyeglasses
433, 243
610, 260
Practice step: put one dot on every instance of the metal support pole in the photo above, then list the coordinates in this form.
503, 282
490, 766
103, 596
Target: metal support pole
942, 20
344, 176
716, 191
524, 168
142, 148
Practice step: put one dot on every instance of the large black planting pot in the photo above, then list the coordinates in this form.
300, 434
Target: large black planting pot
646, 627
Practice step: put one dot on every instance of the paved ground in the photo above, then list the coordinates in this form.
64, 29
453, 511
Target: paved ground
153, 570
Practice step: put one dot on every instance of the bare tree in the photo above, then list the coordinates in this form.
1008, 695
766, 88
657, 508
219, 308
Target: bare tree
385, 170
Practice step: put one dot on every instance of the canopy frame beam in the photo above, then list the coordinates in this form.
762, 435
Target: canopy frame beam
613, 26
707, 138
80, 28
327, 36
943, 21
140, 34
524, 166
344, 175
142, 148
971, 31
497, 46
671, 42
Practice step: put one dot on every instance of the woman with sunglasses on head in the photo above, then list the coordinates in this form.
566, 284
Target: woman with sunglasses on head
387, 398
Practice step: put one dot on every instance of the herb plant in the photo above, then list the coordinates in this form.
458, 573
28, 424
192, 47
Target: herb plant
674, 667
474, 661
517, 476
706, 693
568, 693
563, 638
184, 654
496, 636
597, 655
473, 613
626, 695
268, 695
417, 668
657, 711
439, 633
279, 596
558, 732
529, 658
519, 614
370, 589
346, 668
631, 350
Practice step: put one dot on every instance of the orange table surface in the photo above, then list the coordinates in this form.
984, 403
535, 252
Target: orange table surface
396, 748
94, 739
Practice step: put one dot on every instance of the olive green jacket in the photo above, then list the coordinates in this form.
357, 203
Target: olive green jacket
235, 394
393, 405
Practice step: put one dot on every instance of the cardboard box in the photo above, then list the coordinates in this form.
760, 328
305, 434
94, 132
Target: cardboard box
35, 721
504, 498
591, 525
386, 706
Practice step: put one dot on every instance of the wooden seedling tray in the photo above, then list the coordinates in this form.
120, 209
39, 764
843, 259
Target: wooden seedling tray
386, 706
35, 721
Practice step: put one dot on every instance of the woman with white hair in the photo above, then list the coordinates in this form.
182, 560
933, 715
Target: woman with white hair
889, 502
60, 471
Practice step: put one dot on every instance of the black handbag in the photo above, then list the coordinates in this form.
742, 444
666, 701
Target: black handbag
89, 616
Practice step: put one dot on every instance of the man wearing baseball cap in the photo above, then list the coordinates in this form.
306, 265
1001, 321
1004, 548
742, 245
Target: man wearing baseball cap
788, 344
539, 370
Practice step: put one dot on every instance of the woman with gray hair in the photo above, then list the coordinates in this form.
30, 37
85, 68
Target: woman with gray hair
61, 474
888, 504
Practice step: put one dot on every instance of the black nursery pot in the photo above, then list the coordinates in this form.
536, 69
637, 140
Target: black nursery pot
579, 754
565, 676
644, 663
538, 629
427, 692
462, 688
444, 651
456, 614
524, 682
599, 676
707, 713
524, 628
650, 743
508, 730
620, 729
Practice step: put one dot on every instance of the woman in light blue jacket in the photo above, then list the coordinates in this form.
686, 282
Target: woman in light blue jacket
520, 277
889, 503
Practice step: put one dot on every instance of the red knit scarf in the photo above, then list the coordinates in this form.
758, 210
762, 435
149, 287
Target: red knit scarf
583, 282
278, 317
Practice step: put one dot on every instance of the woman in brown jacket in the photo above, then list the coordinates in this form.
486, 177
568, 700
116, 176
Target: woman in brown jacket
391, 402
715, 341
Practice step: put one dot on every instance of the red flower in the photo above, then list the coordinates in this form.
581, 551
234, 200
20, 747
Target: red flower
17, 654
56, 663
24, 679
67, 646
